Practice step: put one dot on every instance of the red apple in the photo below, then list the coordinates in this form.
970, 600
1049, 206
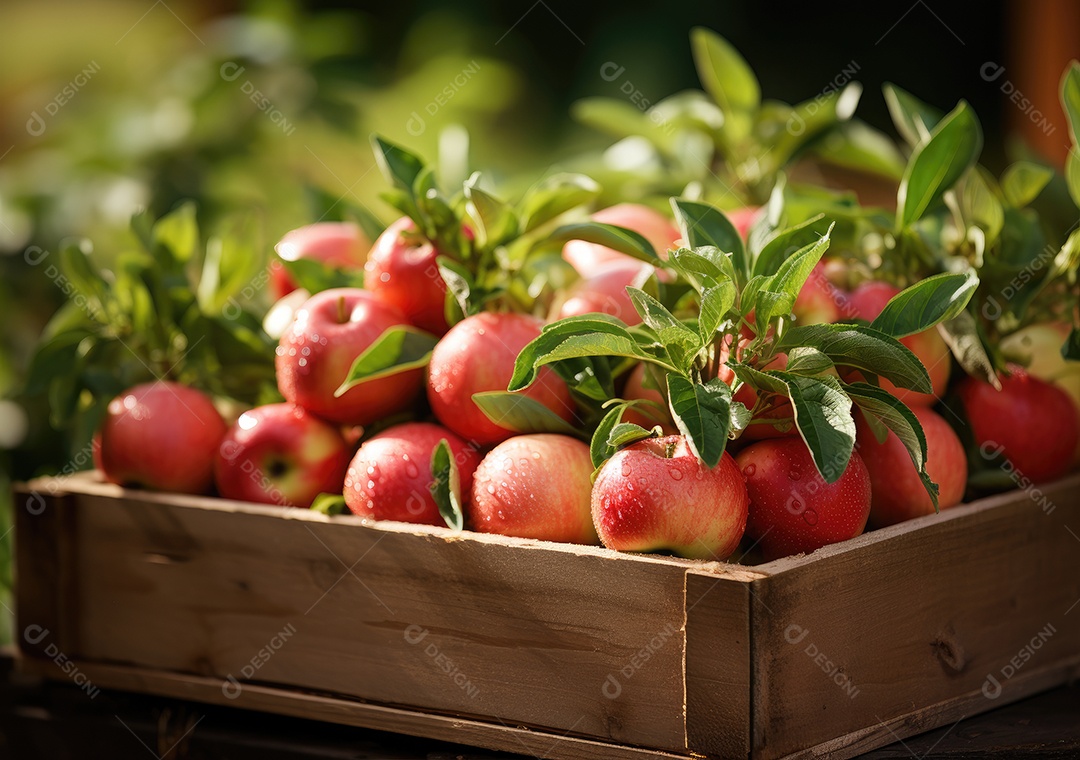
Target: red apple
281, 454
534, 486
655, 495
478, 354
161, 435
1031, 423
866, 302
605, 292
792, 509
390, 477
314, 356
898, 493
587, 258
819, 301
338, 244
401, 271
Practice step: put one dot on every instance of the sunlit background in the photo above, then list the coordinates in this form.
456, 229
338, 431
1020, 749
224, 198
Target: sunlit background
267, 107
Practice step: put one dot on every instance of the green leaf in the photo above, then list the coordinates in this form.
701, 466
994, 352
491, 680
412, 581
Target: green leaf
626, 433
705, 225
554, 196
780, 247
330, 504
1070, 99
233, 261
316, 276
673, 333
1023, 181
53, 358
76, 266
823, 417
961, 333
777, 296
858, 146
716, 302
882, 409
808, 120
913, 118
728, 79
707, 262
495, 220
459, 288
609, 235
179, 232
702, 412
599, 448
927, 303
862, 348
400, 167
806, 360
398, 349
587, 335
981, 204
446, 486
937, 163
522, 414
1072, 174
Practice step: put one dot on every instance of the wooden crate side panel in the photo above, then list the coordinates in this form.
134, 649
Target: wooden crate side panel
506, 738
718, 664
519, 632
46, 604
953, 608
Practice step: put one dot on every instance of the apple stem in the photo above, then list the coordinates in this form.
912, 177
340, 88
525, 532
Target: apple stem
342, 314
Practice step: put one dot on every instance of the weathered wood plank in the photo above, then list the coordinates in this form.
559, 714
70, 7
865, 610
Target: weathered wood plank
916, 626
507, 738
521, 632
718, 675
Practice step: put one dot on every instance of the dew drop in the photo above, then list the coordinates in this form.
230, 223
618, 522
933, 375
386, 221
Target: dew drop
525, 462
480, 331
411, 470
536, 455
749, 470
373, 470
675, 474
794, 474
302, 363
292, 352
305, 351
491, 489
501, 514
384, 277
810, 516
626, 471
643, 481
371, 484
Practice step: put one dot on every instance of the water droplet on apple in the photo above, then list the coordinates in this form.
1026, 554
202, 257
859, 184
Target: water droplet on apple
795, 506
280, 350
384, 277
302, 363
502, 484
305, 351
480, 331
629, 486
794, 474
643, 481
536, 455
292, 352
675, 474
525, 462
491, 489
501, 514
749, 470
371, 484
370, 504
810, 516
626, 471
373, 469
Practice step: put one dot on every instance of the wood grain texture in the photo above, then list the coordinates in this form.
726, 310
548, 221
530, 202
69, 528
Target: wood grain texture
46, 605
521, 632
900, 632
718, 705
496, 736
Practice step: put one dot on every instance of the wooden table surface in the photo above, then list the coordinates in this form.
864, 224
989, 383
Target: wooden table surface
51, 721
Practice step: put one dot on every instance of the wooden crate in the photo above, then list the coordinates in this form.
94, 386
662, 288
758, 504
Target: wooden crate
546, 649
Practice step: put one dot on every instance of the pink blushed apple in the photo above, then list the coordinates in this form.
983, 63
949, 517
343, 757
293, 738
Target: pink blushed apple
338, 244
314, 355
656, 495
281, 454
390, 477
478, 354
534, 486
587, 258
161, 435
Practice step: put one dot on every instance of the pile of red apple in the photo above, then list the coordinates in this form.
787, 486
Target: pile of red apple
374, 441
